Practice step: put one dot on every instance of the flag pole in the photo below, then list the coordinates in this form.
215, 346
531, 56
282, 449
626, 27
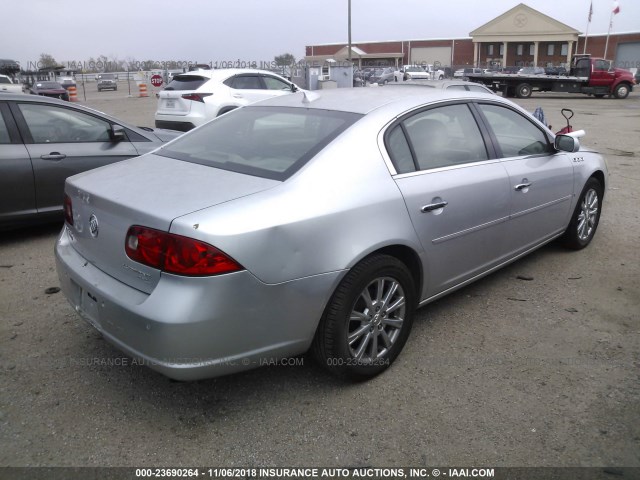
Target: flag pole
586, 35
606, 44
614, 11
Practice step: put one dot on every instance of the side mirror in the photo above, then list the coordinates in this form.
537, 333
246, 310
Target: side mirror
566, 143
116, 133
294, 88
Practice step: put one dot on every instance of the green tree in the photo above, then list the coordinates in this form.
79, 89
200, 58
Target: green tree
47, 61
285, 60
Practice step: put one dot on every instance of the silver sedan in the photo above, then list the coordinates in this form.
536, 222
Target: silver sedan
45, 140
316, 221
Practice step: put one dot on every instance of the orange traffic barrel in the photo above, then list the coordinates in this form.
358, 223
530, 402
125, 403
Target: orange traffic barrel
73, 94
143, 90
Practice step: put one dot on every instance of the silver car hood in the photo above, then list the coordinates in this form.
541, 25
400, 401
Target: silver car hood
150, 191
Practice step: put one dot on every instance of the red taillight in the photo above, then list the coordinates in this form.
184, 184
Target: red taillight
176, 254
68, 210
196, 97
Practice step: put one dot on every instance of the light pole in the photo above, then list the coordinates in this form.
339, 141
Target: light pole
349, 21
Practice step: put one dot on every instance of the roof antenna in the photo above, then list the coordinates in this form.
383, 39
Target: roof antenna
308, 97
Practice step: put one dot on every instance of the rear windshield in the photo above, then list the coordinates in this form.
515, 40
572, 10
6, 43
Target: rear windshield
186, 82
268, 142
107, 76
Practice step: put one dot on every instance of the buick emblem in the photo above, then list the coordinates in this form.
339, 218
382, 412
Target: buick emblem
93, 225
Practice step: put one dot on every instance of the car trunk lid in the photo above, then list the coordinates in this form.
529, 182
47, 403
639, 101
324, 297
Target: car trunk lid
150, 191
171, 100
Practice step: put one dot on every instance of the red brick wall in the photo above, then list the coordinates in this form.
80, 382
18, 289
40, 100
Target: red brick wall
463, 51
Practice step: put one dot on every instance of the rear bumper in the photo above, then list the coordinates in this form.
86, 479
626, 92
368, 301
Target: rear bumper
193, 328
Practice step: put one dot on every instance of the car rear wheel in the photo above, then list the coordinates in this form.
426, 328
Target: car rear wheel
586, 216
523, 90
368, 319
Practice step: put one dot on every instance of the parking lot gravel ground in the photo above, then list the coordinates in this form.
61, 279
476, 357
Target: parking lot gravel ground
534, 365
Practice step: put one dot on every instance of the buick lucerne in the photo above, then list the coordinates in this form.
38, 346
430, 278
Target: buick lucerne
316, 221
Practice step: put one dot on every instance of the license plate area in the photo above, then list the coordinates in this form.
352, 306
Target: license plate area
88, 307
170, 103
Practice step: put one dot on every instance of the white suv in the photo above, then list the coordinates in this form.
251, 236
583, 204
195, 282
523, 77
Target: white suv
194, 98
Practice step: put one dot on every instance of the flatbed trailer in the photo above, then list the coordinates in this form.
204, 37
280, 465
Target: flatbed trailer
589, 76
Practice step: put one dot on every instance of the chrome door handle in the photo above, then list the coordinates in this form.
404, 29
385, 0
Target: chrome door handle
522, 186
53, 156
434, 206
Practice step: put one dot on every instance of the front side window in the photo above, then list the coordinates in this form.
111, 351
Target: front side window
51, 124
268, 142
441, 137
274, 83
516, 135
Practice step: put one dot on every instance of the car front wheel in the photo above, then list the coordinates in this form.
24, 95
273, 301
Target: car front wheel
368, 319
586, 216
621, 91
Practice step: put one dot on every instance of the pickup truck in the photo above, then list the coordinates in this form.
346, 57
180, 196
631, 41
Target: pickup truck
7, 85
590, 76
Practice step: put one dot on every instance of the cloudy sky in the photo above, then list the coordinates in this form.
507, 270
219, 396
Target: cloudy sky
256, 30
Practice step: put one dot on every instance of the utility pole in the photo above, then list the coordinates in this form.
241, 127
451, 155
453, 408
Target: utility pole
349, 21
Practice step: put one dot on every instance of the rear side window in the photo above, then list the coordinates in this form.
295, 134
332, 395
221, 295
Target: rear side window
268, 142
246, 82
186, 82
441, 137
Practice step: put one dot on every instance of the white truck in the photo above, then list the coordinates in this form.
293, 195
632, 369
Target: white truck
7, 85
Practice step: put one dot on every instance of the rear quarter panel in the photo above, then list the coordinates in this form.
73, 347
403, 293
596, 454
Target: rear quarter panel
340, 207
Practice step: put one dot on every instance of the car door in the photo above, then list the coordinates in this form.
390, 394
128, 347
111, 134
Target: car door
601, 74
457, 195
17, 190
61, 142
541, 179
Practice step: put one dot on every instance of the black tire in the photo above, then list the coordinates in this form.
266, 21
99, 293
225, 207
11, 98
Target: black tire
622, 91
379, 332
585, 217
523, 90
